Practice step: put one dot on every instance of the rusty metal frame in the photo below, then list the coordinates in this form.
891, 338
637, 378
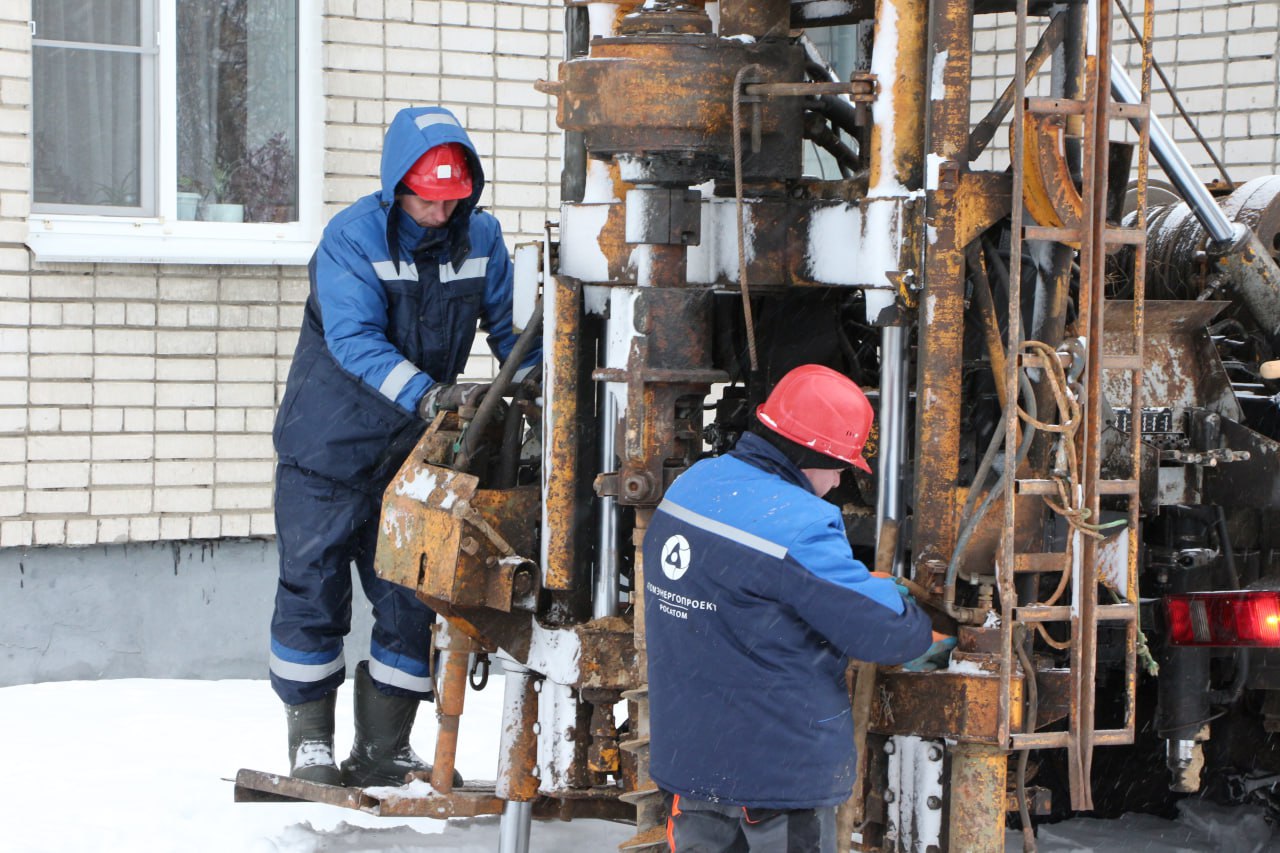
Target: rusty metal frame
1093, 235
416, 799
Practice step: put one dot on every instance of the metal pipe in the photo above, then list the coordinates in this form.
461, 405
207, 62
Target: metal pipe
455, 649
500, 386
841, 114
893, 429
561, 433
1175, 166
513, 830
978, 799
517, 757
605, 595
897, 132
573, 172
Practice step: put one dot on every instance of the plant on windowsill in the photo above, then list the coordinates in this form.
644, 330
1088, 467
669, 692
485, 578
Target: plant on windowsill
190, 194
122, 193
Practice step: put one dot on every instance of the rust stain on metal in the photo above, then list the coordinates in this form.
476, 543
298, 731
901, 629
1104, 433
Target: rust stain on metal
978, 784
671, 94
608, 660
906, 130
1048, 190
450, 699
562, 436
941, 306
981, 200
517, 781
960, 706
1181, 366
447, 539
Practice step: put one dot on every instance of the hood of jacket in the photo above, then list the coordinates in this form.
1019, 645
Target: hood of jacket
413, 132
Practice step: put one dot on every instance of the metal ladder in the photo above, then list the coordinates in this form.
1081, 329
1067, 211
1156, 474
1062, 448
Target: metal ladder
1094, 236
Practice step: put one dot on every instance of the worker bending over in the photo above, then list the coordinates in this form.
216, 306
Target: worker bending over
754, 604
398, 284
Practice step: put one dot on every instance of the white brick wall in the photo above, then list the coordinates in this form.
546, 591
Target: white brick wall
1222, 59
136, 401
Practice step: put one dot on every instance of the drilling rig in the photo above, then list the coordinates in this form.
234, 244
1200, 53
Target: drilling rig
1075, 462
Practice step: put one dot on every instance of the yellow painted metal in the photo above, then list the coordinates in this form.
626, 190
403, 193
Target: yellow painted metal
1048, 190
561, 427
897, 156
981, 199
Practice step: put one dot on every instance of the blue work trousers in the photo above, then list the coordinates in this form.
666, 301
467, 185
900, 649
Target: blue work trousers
322, 527
698, 826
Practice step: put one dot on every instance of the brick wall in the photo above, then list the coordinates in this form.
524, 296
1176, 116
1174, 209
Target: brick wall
1221, 57
136, 401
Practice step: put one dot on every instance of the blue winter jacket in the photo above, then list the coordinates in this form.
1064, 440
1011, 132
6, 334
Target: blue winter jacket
753, 606
393, 309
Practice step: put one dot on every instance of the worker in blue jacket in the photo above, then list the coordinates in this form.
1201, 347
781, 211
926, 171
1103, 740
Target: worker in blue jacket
399, 283
754, 605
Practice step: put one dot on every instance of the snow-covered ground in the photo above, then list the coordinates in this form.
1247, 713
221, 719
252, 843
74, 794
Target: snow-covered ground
142, 766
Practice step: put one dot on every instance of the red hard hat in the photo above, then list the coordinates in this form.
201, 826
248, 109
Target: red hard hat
822, 410
441, 174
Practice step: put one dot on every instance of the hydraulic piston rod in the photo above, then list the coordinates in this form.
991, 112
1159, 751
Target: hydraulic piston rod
1174, 164
893, 430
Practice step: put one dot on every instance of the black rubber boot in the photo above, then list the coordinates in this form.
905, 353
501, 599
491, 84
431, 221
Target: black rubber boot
381, 754
311, 740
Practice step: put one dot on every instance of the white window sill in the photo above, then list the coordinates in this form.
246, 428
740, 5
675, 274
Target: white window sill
102, 239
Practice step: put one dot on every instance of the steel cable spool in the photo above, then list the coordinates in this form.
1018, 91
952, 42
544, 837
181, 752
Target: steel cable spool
1178, 245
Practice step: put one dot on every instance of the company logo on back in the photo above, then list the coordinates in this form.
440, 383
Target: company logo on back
675, 557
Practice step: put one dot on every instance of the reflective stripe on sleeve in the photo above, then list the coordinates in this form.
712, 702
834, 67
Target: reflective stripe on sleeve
719, 528
397, 379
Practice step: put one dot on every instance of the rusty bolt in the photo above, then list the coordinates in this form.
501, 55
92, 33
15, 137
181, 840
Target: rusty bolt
537, 728
554, 88
637, 485
934, 802
522, 582
890, 796
889, 748
469, 545
935, 752
537, 687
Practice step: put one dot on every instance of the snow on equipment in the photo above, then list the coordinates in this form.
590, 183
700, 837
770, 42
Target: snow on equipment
1074, 459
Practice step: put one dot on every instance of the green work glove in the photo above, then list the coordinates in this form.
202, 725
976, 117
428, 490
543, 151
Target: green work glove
937, 656
897, 582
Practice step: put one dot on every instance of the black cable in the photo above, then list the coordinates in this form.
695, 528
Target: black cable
1033, 701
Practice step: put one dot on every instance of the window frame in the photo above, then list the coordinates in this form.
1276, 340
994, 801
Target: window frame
131, 237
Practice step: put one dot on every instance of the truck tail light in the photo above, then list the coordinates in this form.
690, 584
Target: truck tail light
1224, 618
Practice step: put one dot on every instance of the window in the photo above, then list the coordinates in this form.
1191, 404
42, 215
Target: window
182, 131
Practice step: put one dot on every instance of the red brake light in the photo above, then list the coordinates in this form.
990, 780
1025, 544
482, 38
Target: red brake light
1224, 618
